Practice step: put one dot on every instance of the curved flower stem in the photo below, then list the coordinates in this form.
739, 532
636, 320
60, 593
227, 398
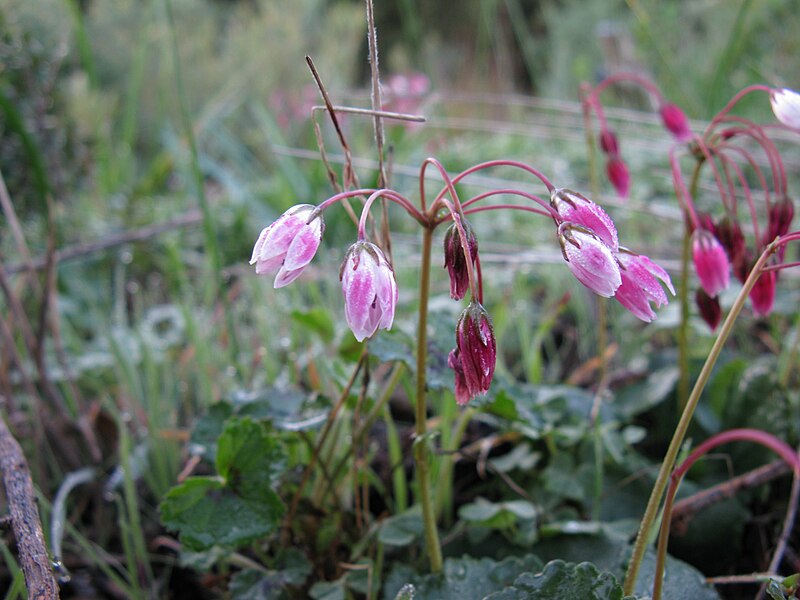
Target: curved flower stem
651, 512
421, 454
734, 435
683, 328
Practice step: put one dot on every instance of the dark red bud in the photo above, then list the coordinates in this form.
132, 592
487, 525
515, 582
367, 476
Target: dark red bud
609, 143
475, 355
780, 218
730, 235
454, 260
709, 308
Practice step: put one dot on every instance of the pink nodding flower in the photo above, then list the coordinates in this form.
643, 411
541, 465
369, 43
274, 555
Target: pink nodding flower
618, 175
369, 290
641, 285
288, 245
762, 296
456, 262
608, 142
578, 209
786, 106
590, 259
473, 360
676, 122
710, 261
709, 308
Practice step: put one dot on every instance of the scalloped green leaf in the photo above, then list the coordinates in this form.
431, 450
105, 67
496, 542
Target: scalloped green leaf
240, 505
559, 579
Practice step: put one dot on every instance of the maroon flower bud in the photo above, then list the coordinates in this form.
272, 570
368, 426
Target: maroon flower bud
676, 122
730, 235
780, 218
475, 355
762, 296
709, 308
618, 175
609, 143
456, 262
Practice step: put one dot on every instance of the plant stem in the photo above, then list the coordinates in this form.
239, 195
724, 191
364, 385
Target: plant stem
421, 443
683, 291
678, 436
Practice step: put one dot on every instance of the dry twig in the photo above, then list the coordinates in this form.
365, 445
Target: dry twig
25, 522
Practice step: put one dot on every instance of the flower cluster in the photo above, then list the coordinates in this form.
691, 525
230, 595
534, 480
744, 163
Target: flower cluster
719, 245
589, 244
672, 117
588, 238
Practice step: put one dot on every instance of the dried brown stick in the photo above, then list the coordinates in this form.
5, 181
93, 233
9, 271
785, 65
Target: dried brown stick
25, 521
688, 507
126, 237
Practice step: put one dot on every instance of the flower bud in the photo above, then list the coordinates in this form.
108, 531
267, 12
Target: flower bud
676, 122
786, 106
780, 218
609, 143
475, 355
710, 262
288, 245
618, 175
590, 259
762, 296
456, 262
730, 235
369, 290
709, 308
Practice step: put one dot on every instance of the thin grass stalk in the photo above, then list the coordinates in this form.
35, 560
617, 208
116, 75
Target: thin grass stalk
683, 296
651, 511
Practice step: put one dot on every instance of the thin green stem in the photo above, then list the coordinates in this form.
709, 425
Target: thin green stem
421, 454
678, 436
683, 292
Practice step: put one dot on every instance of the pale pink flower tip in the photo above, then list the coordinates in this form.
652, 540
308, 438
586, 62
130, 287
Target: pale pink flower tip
676, 122
590, 259
710, 261
576, 208
369, 290
786, 106
288, 245
642, 281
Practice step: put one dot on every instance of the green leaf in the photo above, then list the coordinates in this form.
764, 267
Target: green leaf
252, 584
238, 507
317, 320
407, 592
462, 578
328, 590
498, 515
563, 580
402, 529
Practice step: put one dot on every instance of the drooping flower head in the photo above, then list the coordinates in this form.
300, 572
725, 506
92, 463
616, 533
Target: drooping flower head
730, 235
609, 143
762, 296
369, 290
455, 261
779, 218
675, 121
288, 245
618, 175
709, 308
578, 209
642, 281
710, 262
786, 106
474, 357
590, 259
